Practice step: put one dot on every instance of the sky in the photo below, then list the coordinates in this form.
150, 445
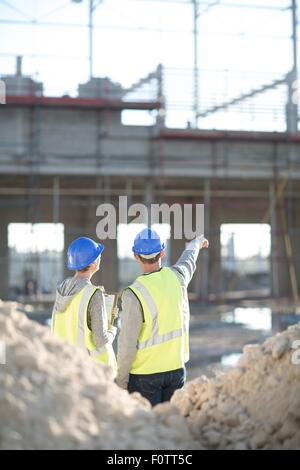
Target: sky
239, 48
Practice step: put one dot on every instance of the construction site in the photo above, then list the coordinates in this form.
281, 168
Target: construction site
95, 106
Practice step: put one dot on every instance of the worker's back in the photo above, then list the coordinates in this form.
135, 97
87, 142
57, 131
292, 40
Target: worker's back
77, 304
153, 344
161, 345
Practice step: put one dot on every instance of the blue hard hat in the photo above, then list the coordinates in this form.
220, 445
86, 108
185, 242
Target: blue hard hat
82, 252
147, 242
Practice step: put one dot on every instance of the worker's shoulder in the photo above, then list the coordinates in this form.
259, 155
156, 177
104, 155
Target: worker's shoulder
127, 292
131, 303
129, 295
97, 288
98, 292
178, 273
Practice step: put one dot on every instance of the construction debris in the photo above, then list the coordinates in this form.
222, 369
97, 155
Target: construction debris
53, 397
256, 405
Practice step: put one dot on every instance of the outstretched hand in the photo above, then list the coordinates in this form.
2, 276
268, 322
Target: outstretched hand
205, 243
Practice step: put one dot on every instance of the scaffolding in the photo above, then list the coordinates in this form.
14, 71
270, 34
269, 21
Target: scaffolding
195, 102
212, 114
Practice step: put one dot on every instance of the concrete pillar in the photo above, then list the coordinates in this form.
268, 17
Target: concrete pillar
148, 199
200, 282
75, 220
295, 239
279, 250
274, 254
109, 272
177, 247
214, 264
69, 236
202, 272
4, 261
108, 275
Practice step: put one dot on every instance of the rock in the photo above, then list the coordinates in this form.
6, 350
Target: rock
212, 438
232, 420
166, 409
240, 446
182, 400
280, 345
259, 439
288, 429
255, 405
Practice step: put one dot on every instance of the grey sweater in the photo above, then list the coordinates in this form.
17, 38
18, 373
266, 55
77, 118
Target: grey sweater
96, 314
132, 315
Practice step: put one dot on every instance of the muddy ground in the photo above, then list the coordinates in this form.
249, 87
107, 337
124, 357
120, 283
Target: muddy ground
218, 333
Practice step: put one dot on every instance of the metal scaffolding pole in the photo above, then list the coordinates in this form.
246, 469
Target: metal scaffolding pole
274, 241
55, 200
196, 65
294, 36
292, 106
93, 4
91, 37
207, 208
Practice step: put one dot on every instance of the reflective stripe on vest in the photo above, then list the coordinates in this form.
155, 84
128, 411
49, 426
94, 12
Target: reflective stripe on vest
156, 338
88, 291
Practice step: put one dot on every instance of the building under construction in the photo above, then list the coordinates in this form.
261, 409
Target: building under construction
189, 130
61, 156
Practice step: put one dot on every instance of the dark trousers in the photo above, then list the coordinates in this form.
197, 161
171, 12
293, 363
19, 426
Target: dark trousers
159, 387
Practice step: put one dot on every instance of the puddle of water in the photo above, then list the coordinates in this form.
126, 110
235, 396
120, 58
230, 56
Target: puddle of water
289, 319
252, 318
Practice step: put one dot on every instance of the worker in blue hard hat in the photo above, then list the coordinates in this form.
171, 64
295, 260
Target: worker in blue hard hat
154, 338
79, 313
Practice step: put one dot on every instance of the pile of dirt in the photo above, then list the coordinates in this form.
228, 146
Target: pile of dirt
52, 396
256, 405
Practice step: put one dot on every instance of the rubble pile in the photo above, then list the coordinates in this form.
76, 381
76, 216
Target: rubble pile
255, 405
53, 397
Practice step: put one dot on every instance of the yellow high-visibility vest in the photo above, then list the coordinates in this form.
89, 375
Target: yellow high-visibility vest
163, 343
71, 325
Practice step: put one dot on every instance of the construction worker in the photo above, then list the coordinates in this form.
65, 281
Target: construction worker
79, 313
154, 337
